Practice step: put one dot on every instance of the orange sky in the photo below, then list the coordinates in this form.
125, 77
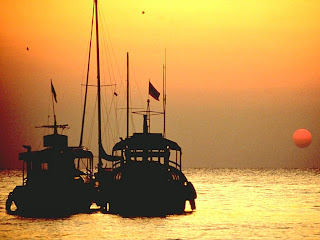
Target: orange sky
242, 75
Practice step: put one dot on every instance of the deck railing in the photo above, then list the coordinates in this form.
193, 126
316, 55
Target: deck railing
160, 157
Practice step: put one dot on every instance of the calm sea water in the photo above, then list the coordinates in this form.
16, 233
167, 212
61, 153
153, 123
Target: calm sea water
231, 204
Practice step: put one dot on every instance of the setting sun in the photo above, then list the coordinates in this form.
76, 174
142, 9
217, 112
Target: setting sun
302, 138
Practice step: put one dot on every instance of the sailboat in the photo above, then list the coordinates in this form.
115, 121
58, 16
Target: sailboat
57, 180
145, 178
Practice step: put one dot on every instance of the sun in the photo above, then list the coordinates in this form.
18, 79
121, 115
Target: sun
302, 138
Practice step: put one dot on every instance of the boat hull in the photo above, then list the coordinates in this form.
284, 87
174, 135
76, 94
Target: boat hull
146, 189
50, 201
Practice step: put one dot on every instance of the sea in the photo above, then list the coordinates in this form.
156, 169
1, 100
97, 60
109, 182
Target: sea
231, 204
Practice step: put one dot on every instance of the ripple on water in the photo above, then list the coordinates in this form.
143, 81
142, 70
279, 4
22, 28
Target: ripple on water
231, 204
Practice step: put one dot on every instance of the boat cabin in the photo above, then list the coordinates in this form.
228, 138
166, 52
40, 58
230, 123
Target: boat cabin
143, 147
148, 147
56, 162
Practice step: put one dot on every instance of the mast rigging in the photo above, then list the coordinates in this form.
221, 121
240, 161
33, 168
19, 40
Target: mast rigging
87, 81
99, 85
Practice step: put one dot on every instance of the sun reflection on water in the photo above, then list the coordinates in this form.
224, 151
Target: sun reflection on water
231, 203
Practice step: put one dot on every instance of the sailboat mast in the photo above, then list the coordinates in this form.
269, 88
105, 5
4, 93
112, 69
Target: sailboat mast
127, 94
98, 87
87, 81
164, 92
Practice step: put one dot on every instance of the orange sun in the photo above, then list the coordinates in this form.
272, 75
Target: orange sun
302, 138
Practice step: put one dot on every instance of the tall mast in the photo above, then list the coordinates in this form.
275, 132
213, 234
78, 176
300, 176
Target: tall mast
99, 87
87, 81
164, 92
127, 94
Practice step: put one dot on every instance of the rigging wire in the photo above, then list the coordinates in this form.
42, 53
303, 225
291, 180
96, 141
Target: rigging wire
110, 69
45, 130
139, 94
105, 26
122, 81
112, 119
87, 80
106, 121
106, 105
92, 122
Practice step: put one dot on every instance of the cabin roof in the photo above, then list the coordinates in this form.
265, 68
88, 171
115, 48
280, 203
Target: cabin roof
49, 153
154, 141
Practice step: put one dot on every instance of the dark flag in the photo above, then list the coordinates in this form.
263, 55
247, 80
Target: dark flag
53, 92
153, 92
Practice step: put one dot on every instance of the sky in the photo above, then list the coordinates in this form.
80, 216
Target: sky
242, 76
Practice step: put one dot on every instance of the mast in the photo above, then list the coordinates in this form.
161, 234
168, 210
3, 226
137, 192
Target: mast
127, 94
99, 87
87, 81
164, 91
148, 115
53, 98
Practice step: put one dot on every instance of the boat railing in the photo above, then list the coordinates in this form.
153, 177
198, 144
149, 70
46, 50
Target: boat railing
116, 164
175, 164
171, 163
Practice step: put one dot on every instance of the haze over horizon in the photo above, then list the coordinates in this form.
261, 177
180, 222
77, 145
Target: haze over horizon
242, 76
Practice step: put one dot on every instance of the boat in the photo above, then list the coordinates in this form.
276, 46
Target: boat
148, 180
145, 177
56, 181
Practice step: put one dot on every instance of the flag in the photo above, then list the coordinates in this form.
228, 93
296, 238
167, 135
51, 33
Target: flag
153, 92
53, 92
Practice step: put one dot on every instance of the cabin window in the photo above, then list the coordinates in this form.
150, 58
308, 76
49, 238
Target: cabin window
155, 159
44, 166
137, 159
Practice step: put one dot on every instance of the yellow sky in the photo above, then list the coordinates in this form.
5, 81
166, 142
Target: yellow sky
226, 57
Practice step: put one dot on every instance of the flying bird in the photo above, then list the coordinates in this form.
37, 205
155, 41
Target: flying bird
143, 12
27, 49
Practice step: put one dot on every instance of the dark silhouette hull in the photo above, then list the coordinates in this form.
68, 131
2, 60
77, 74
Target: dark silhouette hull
50, 201
53, 183
145, 189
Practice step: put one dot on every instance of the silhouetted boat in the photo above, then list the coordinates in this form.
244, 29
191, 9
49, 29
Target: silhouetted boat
145, 178
57, 180
148, 180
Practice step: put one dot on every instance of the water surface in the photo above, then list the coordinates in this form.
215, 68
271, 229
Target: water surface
231, 204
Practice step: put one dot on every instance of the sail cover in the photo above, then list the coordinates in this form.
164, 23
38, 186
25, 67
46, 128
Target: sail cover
106, 156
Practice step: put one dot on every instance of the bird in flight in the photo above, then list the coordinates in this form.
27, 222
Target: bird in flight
27, 49
143, 12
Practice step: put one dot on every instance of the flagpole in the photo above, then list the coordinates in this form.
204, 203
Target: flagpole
148, 114
54, 112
